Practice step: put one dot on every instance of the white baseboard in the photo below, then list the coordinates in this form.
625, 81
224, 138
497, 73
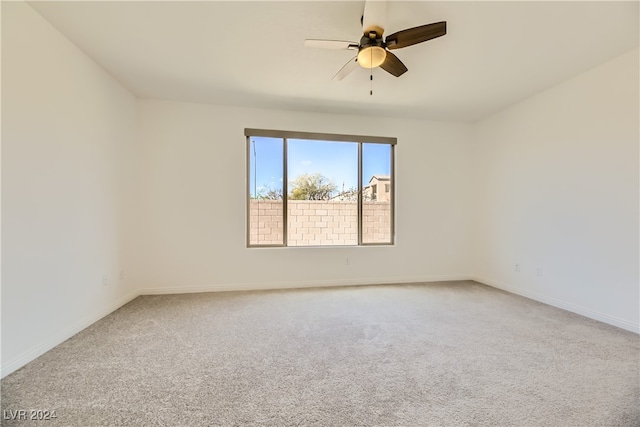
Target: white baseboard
299, 284
42, 348
592, 314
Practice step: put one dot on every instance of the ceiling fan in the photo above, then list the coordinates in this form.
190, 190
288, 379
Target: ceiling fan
373, 50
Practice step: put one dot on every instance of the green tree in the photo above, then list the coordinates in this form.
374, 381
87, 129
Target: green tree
268, 193
351, 195
311, 187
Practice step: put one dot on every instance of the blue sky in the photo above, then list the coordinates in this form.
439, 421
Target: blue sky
337, 161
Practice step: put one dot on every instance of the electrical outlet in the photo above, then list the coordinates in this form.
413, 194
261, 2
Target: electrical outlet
105, 280
121, 275
539, 271
517, 267
347, 261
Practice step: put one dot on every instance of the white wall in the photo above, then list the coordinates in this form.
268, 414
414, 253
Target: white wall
67, 163
193, 231
557, 189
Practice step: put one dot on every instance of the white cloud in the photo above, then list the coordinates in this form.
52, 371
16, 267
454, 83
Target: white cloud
306, 162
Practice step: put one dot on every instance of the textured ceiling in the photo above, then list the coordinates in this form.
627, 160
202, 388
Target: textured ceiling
252, 53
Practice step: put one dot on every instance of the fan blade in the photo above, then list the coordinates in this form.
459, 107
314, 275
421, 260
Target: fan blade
416, 35
374, 17
347, 69
393, 65
330, 44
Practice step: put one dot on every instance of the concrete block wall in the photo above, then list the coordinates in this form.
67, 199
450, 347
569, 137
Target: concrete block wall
376, 222
319, 222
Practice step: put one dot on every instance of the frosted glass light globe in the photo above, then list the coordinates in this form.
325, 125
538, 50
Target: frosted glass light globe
371, 57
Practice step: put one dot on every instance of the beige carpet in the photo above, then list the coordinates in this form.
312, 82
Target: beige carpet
441, 354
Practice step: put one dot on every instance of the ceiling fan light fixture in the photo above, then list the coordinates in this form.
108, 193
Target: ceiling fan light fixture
371, 56
374, 50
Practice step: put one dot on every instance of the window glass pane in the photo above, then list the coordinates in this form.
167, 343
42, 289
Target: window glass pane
266, 214
376, 193
319, 177
323, 193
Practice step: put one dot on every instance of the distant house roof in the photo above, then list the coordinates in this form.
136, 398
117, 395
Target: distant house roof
380, 178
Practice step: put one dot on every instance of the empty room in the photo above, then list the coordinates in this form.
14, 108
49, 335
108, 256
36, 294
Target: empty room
353, 213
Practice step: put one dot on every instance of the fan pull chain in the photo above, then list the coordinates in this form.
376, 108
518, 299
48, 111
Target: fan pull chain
371, 74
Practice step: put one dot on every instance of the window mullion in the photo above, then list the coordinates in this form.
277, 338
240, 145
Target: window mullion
285, 193
248, 201
359, 193
392, 225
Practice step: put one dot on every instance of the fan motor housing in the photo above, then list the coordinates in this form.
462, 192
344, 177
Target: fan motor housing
369, 42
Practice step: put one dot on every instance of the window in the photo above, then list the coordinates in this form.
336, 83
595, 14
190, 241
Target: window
306, 189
